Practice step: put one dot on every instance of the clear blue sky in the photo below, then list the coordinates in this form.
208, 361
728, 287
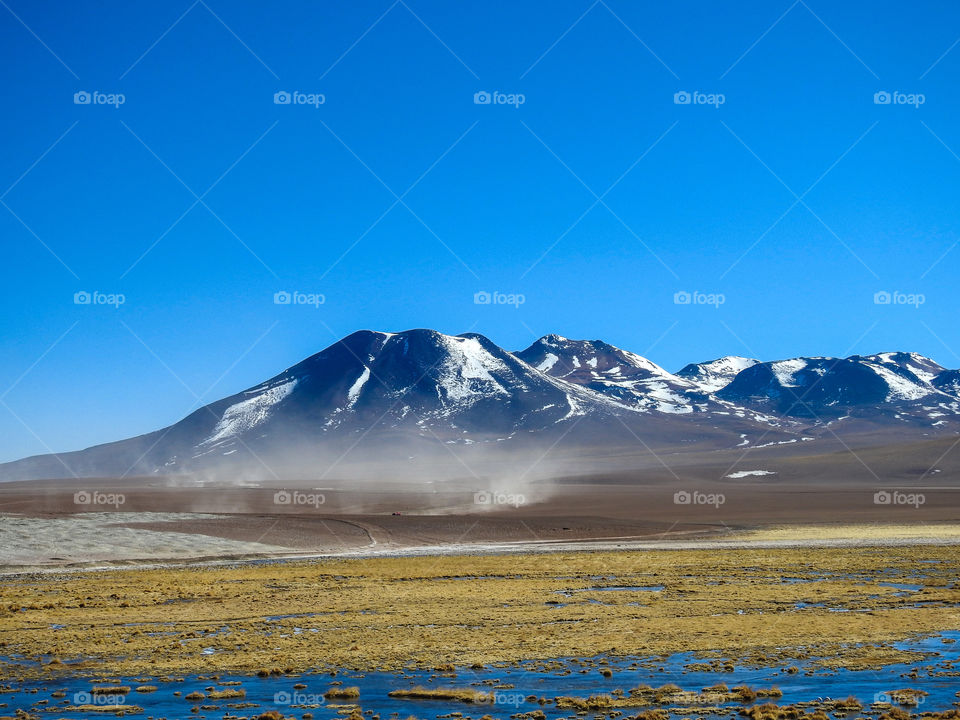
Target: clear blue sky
103, 198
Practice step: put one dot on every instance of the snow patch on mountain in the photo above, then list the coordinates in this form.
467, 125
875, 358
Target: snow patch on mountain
922, 367
549, 361
248, 414
786, 371
354, 392
466, 371
716, 374
574, 409
667, 400
901, 388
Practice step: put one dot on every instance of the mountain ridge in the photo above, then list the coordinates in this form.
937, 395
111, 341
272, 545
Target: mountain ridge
421, 391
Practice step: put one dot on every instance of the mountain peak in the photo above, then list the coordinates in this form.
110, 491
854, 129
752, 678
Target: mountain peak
632, 379
552, 339
585, 359
919, 366
714, 375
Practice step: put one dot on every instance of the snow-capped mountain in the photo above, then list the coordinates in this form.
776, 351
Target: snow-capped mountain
377, 396
898, 384
416, 379
948, 381
631, 379
402, 389
716, 374
922, 367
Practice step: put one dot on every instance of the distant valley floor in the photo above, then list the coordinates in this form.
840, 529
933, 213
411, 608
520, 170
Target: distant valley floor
48, 525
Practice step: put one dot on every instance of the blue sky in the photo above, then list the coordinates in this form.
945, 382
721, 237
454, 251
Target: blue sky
598, 199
